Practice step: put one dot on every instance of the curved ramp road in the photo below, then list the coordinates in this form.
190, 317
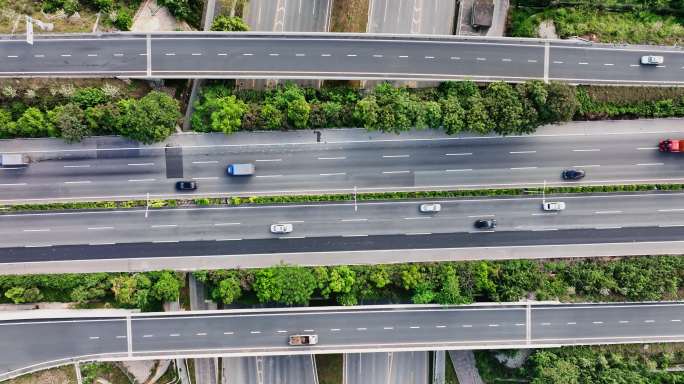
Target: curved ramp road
39, 343
402, 163
369, 226
333, 56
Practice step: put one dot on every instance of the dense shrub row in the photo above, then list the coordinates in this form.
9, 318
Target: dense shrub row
644, 278
139, 290
90, 111
119, 13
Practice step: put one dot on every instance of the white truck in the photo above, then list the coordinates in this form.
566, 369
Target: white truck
303, 340
245, 169
13, 160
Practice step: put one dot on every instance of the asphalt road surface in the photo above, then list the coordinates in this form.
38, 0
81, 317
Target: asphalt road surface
35, 342
288, 15
297, 56
412, 16
383, 165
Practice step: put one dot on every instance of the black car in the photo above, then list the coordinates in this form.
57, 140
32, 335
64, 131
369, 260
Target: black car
186, 185
485, 224
572, 174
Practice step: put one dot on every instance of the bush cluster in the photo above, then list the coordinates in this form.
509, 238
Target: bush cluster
145, 291
229, 24
187, 10
91, 111
119, 12
455, 106
642, 278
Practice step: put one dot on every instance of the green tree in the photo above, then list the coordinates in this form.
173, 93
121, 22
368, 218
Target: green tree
332, 110
561, 103
411, 276
453, 115
150, 119
504, 108
131, 290
225, 114
476, 116
7, 126
20, 295
450, 290
103, 118
89, 97
288, 285
69, 120
271, 116
367, 112
70, 7
167, 287
229, 24
298, 111
33, 123
227, 291
340, 281
124, 20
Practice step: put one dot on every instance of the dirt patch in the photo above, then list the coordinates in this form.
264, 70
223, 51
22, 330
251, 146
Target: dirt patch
627, 95
349, 16
152, 17
547, 30
61, 375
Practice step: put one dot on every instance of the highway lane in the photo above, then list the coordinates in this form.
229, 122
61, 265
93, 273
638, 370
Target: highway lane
361, 329
404, 164
591, 213
327, 56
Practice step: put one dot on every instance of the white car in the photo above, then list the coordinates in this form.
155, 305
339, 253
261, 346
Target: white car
553, 206
652, 60
303, 340
430, 208
281, 228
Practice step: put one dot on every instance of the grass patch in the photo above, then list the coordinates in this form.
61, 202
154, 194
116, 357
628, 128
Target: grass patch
449, 371
107, 371
60, 375
632, 27
349, 16
329, 368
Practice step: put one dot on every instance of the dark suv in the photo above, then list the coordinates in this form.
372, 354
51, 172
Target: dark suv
572, 174
186, 185
485, 224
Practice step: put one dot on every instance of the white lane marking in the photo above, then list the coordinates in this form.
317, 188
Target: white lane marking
608, 64
418, 218
224, 224
587, 150
309, 330
300, 54
94, 337
292, 237
122, 337
466, 326
440, 326
403, 56
95, 244
228, 333
481, 59
165, 241
418, 233
493, 325
118, 54
649, 321
582, 63
429, 57
522, 168
650, 164
12, 184
201, 334
351, 55
147, 336
531, 61
597, 322
332, 174
77, 166
247, 54
361, 329
646, 148
459, 154
170, 54
205, 162
140, 180
609, 227
520, 324
587, 166
458, 170
255, 332
99, 228
377, 55
269, 175
675, 320
142, 54
394, 156
205, 178
634, 65
521, 152
455, 58
388, 328
670, 225
623, 321
12, 56
350, 220
196, 54
606, 212
571, 323
544, 229
42, 56
268, 160
334, 329
65, 55
507, 60
139, 164
77, 182
92, 55
558, 62
354, 235
391, 172
473, 216
414, 327
332, 158
222, 54
325, 55
281, 331
545, 214
661, 66
228, 239
174, 334
545, 324
274, 54
163, 226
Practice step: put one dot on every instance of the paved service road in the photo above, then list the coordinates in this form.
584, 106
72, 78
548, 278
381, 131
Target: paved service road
121, 172
362, 329
321, 56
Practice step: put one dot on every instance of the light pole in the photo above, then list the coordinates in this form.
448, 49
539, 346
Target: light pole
29, 30
147, 206
356, 208
544, 193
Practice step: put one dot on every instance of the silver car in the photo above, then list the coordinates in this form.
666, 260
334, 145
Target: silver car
430, 208
281, 228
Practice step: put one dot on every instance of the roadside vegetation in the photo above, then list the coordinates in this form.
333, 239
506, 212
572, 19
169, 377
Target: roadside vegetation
229, 24
634, 22
68, 15
456, 107
73, 113
146, 291
349, 16
189, 11
633, 364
